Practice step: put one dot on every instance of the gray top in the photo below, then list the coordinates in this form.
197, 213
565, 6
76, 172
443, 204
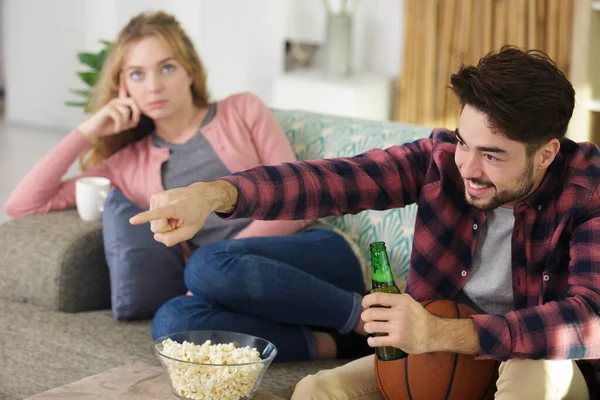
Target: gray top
192, 162
490, 283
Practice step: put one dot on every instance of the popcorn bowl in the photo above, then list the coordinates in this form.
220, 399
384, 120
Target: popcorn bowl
223, 371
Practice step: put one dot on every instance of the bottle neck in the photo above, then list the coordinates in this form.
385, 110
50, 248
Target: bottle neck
377, 284
383, 277
380, 269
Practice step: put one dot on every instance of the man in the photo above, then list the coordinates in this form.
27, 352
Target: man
508, 221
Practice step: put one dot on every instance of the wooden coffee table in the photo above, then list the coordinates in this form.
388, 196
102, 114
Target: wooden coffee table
129, 382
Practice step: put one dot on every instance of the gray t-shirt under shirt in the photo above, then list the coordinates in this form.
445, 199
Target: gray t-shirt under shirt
490, 284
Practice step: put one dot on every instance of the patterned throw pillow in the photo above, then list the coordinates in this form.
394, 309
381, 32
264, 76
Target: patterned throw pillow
315, 136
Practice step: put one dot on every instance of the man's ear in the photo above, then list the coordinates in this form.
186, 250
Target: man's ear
547, 153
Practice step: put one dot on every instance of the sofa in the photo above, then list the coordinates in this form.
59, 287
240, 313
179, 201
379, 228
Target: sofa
55, 320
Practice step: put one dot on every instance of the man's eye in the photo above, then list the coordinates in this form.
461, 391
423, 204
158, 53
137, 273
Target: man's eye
490, 157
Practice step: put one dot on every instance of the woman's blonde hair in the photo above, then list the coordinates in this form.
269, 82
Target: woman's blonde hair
166, 28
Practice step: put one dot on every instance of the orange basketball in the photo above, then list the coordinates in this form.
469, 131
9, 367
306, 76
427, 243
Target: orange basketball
440, 375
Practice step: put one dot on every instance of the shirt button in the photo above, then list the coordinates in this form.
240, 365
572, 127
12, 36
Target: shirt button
463, 273
475, 227
539, 208
546, 278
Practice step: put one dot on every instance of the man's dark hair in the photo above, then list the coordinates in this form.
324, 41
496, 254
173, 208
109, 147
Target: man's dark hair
525, 96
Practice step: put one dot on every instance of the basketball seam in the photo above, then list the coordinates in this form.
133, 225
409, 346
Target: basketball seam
406, 381
428, 303
455, 364
379, 383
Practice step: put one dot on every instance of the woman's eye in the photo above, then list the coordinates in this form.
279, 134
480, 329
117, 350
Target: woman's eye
136, 75
168, 68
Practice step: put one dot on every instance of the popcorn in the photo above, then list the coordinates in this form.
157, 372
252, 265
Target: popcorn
217, 381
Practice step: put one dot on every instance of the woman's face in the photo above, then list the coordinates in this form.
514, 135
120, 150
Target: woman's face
155, 79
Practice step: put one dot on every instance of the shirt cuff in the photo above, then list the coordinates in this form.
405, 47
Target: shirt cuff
494, 336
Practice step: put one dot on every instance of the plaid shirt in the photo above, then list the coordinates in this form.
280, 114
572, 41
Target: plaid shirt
555, 240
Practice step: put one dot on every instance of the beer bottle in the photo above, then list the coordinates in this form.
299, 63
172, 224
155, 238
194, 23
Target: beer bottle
383, 281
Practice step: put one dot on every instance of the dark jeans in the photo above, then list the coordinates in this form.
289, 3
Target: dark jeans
271, 287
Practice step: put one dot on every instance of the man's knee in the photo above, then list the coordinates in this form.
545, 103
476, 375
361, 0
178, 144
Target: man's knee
540, 379
313, 387
351, 381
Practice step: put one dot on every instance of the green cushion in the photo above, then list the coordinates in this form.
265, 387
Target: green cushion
316, 136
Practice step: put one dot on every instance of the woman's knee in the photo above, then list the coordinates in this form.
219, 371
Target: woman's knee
168, 318
207, 265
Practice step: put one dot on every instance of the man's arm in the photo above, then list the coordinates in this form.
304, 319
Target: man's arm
456, 336
375, 180
302, 190
226, 195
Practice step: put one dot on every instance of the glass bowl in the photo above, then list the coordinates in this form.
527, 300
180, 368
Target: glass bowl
203, 381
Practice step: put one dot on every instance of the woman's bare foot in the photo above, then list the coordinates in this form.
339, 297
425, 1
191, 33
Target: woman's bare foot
326, 347
360, 325
360, 328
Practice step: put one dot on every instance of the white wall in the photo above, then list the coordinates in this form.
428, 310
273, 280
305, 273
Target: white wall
240, 42
42, 38
378, 31
2, 27
379, 36
243, 45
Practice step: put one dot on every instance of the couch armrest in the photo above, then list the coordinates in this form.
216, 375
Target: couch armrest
54, 260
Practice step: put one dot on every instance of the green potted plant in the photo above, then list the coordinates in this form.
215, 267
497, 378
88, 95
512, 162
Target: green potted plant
94, 62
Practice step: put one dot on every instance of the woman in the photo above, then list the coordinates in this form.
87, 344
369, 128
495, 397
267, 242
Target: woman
153, 128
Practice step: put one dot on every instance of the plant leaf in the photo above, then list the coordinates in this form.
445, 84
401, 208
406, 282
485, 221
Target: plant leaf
101, 58
108, 46
89, 59
76, 104
81, 92
89, 77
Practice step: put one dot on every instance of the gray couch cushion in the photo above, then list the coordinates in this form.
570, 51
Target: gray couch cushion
55, 261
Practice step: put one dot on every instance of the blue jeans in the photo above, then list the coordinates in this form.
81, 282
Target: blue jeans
272, 287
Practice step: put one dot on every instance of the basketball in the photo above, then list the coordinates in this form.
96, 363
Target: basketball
439, 375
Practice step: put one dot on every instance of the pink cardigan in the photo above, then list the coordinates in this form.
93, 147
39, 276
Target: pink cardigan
243, 134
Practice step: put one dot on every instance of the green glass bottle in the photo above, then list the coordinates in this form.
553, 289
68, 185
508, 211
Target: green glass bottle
383, 281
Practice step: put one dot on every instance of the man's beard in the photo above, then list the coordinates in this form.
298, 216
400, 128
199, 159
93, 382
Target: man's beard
522, 189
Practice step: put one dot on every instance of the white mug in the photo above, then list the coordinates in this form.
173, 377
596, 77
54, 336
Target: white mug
90, 193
